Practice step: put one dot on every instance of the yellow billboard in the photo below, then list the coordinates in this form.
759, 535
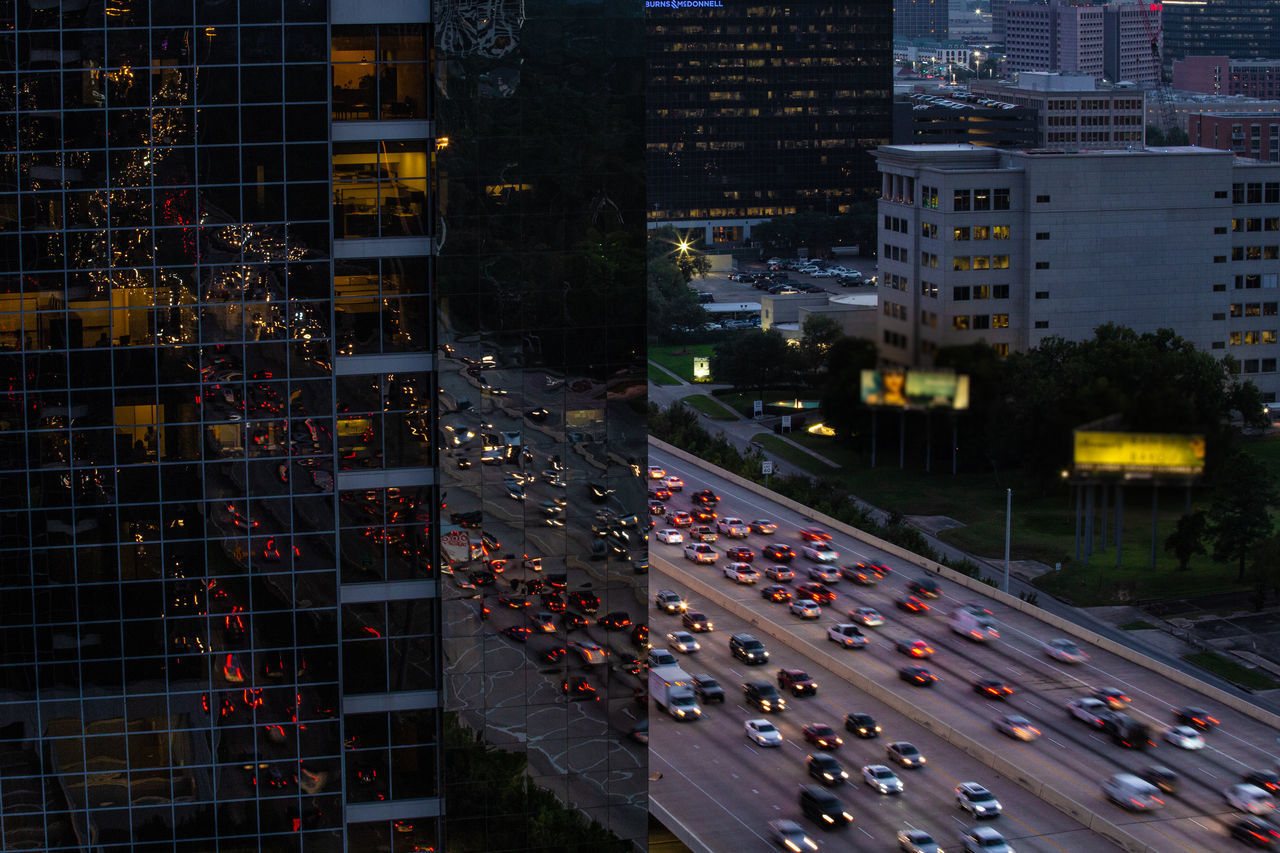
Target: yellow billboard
1138, 453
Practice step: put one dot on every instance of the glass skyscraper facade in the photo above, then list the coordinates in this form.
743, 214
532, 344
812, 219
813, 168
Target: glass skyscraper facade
1241, 29
240, 268
766, 109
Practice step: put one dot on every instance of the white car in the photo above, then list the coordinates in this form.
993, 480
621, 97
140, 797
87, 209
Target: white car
848, 636
868, 617
656, 473
824, 573
984, 839
791, 836
1065, 651
734, 528
1184, 736
763, 732
917, 841
1093, 712
882, 779
1250, 798
673, 483
806, 609
683, 641
669, 535
741, 572
699, 552
820, 552
977, 800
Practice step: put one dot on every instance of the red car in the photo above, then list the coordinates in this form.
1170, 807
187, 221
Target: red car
740, 554
703, 515
778, 552
822, 736
911, 604
776, 592
992, 688
815, 534
815, 592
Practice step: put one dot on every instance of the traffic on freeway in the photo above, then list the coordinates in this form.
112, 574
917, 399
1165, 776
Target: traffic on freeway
1066, 715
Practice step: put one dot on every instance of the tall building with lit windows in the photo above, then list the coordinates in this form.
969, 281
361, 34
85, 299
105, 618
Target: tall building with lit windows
760, 110
303, 343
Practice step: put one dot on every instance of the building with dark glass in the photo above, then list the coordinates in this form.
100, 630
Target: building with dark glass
1248, 29
300, 345
914, 19
765, 110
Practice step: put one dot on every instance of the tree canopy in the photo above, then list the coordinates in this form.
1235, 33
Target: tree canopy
671, 302
755, 359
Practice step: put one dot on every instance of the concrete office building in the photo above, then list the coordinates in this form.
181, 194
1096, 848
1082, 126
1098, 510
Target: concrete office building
1072, 110
1012, 247
1054, 35
269, 283
1188, 104
1126, 43
762, 111
1245, 134
1221, 75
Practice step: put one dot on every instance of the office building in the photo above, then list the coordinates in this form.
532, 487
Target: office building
1072, 110
1221, 75
924, 118
1128, 30
1013, 247
1248, 29
1245, 134
1188, 104
269, 279
920, 19
762, 111
1054, 36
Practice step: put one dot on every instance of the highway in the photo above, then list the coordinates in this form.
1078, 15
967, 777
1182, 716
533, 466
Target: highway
712, 764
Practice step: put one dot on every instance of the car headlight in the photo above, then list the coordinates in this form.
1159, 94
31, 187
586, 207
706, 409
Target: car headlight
847, 816
828, 818
828, 777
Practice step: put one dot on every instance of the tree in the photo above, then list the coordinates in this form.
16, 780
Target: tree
754, 359
840, 404
1239, 511
818, 334
671, 302
1187, 539
1264, 569
815, 231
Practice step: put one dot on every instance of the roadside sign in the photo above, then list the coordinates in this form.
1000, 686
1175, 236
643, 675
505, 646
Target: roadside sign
766, 467
757, 409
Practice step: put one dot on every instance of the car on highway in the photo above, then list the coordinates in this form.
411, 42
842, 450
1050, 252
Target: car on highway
699, 552
905, 753
860, 573
702, 514
1115, 698
764, 696
912, 604
916, 841
880, 778
1198, 717
656, 507
571, 621
781, 574
977, 800
805, 609
734, 528
973, 626
778, 552
1016, 726
748, 649
849, 636
924, 587
703, 533
1062, 649
656, 473
820, 552
590, 653
814, 534
797, 681
669, 536
823, 807
544, 622
763, 526
816, 592
824, 767
776, 592
868, 617
992, 688
790, 835
763, 732
862, 725
826, 574
704, 497
821, 735
670, 601
662, 657
707, 689
914, 647
741, 573
673, 483
1255, 831
1267, 780
662, 493
1185, 737
1091, 711
740, 554
1162, 777
917, 676
697, 621
519, 633
984, 839
1131, 792
680, 519
1250, 798
683, 641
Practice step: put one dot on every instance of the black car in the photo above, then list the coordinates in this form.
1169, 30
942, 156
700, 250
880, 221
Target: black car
748, 649
924, 587
764, 696
1127, 732
1196, 717
823, 808
587, 602
616, 620
1255, 832
1264, 779
706, 497
778, 552
708, 689
992, 688
917, 676
571, 621
826, 769
862, 725
1162, 777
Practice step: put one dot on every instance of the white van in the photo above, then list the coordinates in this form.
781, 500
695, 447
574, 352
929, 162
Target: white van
1251, 799
1132, 793
979, 627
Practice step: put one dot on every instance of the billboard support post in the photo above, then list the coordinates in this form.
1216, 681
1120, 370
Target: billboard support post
1079, 512
873, 438
1155, 507
1119, 519
1008, 527
902, 439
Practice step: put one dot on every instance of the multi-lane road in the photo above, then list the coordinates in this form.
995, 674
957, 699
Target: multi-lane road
720, 791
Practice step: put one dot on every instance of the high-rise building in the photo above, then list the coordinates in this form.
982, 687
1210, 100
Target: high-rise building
262, 458
1072, 111
920, 19
1054, 36
1248, 29
759, 111
1127, 51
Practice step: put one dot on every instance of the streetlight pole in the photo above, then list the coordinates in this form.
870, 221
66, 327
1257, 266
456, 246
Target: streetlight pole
1008, 522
